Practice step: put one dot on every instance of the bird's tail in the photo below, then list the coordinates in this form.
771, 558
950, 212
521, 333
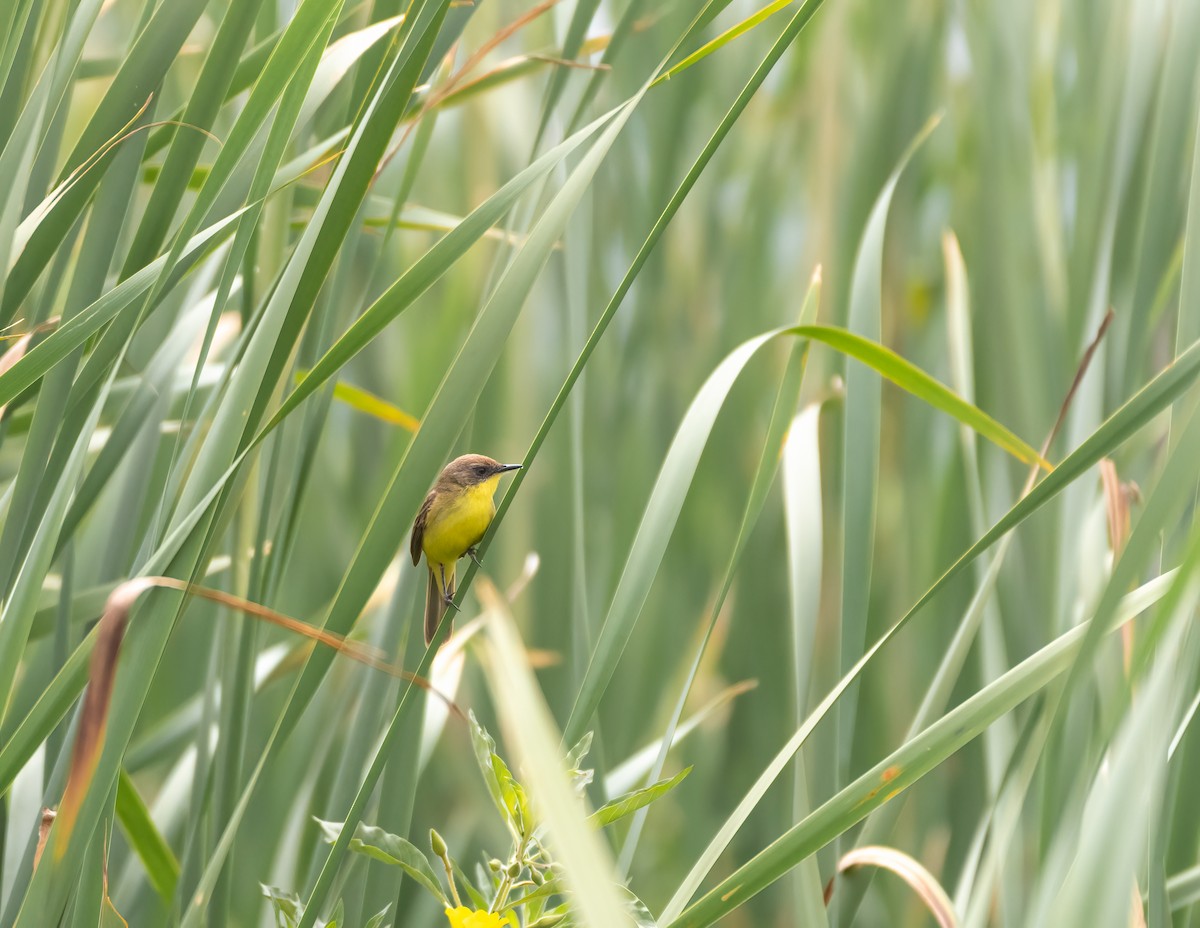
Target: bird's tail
435, 600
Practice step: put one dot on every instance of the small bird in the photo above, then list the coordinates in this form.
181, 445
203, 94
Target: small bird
452, 521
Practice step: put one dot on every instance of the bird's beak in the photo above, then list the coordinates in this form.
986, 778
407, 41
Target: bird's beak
503, 467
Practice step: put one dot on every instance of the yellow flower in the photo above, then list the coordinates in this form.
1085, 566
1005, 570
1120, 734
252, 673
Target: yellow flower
462, 917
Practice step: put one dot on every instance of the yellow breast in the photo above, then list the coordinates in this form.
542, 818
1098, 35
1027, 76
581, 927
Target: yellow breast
457, 521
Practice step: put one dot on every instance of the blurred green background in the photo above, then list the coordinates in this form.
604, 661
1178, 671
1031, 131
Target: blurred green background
1062, 163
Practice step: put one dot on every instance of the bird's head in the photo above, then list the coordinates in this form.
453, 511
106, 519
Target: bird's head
472, 469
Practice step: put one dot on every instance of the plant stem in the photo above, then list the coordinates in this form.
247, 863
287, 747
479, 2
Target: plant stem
506, 884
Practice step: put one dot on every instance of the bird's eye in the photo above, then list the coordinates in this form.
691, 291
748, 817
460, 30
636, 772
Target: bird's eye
480, 470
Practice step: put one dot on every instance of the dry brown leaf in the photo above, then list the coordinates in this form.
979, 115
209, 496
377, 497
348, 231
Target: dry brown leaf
922, 882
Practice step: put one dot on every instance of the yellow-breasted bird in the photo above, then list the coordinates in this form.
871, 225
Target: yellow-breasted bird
452, 521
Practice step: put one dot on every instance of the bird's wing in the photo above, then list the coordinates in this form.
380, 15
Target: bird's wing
418, 530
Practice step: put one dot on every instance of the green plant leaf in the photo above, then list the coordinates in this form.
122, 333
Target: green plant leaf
425, 272
528, 727
785, 401
376, 920
286, 905
458, 392
726, 37
83, 325
145, 839
632, 801
666, 500
576, 755
1139, 410
142, 69
803, 512
516, 805
389, 849
485, 750
905, 766
624, 777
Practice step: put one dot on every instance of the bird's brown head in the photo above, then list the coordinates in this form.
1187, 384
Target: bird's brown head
471, 469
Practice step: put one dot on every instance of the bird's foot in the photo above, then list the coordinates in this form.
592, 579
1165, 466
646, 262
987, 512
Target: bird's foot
473, 554
448, 599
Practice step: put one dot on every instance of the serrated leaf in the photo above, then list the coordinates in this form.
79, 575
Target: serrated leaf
580, 777
631, 802
389, 849
285, 904
638, 909
516, 804
576, 755
485, 749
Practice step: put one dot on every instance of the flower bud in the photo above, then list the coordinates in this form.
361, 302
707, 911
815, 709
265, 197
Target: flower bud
438, 843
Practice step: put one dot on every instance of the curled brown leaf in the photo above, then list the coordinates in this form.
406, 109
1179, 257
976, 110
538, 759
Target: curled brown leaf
922, 882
